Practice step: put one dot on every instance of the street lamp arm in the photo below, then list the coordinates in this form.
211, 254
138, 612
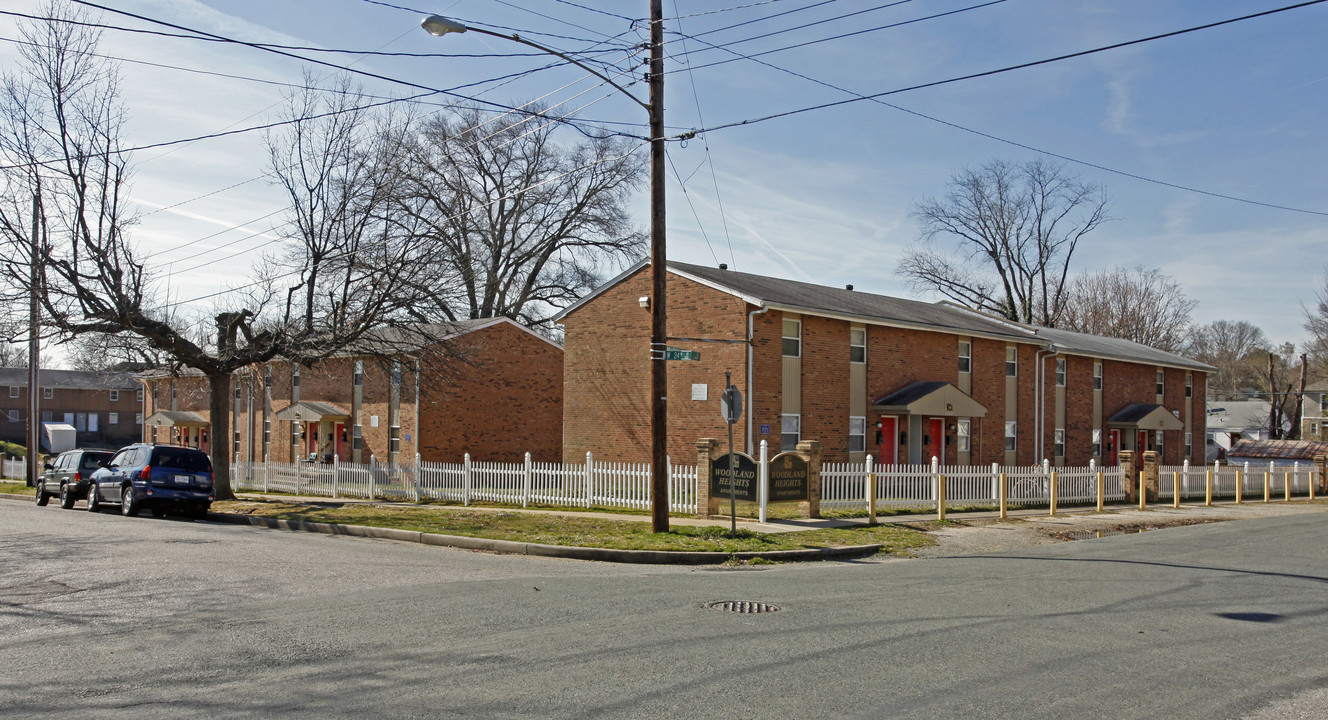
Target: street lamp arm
438, 25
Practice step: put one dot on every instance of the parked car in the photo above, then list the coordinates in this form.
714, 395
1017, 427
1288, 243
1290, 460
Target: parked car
158, 477
68, 477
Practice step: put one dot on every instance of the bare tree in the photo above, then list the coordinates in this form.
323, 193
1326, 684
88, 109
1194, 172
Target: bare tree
1236, 348
1316, 324
520, 225
339, 281
1146, 306
1010, 232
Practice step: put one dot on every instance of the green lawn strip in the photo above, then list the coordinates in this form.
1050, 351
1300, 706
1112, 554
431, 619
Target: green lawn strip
583, 532
16, 488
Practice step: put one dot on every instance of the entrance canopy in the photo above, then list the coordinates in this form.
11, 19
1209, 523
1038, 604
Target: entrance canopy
933, 399
1145, 416
175, 418
310, 411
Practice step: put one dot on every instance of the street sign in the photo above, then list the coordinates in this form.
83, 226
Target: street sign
730, 404
677, 353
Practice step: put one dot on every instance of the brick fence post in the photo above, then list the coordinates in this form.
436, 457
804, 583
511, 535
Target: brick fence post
1129, 475
1321, 465
810, 450
1151, 466
707, 449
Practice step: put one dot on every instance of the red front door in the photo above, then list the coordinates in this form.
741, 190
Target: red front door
1143, 443
936, 439
889, 441
339, 437
311, 434
1113, 449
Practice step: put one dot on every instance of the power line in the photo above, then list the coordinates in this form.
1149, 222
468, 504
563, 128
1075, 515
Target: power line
1011, 68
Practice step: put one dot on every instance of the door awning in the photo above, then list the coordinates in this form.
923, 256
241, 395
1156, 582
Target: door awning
1145, 416
175, 418
311, 411
934, 399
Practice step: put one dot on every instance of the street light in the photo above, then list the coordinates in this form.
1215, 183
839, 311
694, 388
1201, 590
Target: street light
438, 25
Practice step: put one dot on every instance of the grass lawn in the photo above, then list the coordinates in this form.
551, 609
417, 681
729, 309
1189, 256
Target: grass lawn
15, 487
552, 529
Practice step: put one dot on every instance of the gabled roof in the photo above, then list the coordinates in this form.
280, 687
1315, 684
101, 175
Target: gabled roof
70, 379
171, 418
1278, 449
1146, 416
309, 410
935, 399
869, 308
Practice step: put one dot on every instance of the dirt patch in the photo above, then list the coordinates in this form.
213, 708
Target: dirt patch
974, 535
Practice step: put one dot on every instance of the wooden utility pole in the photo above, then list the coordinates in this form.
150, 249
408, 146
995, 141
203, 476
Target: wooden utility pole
34, 350
659, 383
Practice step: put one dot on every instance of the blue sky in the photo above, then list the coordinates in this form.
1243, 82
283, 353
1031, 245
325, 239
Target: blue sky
821, 196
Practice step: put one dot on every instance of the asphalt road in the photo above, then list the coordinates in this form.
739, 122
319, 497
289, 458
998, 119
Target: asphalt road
110, 617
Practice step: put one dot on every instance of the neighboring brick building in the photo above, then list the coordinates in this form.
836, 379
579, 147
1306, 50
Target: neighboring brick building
865, 374
495, 392
105, 408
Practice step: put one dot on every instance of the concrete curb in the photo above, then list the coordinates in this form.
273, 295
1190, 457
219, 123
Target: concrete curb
512, 547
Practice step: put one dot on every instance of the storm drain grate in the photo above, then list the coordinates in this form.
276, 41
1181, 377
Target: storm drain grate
746, 607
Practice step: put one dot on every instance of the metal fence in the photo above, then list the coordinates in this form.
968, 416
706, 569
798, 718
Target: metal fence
588, 484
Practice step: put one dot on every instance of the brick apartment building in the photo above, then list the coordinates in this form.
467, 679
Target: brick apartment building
866, 374
496, 393
104, 408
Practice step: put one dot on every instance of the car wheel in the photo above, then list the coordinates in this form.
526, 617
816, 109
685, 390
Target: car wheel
128, 505
42, 496
93, 501
66, 496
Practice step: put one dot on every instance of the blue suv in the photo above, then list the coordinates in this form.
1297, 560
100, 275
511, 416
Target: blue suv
158, 477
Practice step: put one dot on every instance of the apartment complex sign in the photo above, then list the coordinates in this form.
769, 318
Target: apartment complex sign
743, 482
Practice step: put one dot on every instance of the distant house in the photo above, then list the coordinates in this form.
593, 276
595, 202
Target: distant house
901, 380
1314, 412
1280, 452
497, 396
1231, 421
104, 408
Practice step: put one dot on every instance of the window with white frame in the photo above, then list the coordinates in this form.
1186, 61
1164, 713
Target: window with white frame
138, 394
857, 345
138, 418
112, 418
1058, 441
115, 396
48, 393
1097, 376
1189, 444
790, 432
13, 391
792, 338
1157, 443
964, 435
92, 422
267, 431
857, 434
47, 416
965, 356
1011, 362
1189, 385
358, 378
1161, 380
13, 416
1011, 436
1060, 372
1097, 443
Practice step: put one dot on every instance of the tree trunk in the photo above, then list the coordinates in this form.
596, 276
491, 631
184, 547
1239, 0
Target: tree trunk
1296, 430
220, 452
1274, 426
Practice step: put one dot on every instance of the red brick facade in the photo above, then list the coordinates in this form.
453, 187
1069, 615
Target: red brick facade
104, 408
607, 409
496, 394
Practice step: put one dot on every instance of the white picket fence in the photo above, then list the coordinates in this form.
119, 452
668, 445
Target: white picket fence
15, 469
844, 486
588, 484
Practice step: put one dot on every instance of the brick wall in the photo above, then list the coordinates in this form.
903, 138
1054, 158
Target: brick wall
76, 401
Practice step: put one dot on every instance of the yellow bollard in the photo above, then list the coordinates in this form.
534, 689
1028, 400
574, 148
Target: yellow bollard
1208, 488
1003, 497
1267, 486
1055, 481
940, 497
1101, 483
1175, 486
1287, 478
1143, 493
1240, 486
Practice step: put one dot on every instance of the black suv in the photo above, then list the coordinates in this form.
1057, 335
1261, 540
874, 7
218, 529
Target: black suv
68, 477
158, 477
